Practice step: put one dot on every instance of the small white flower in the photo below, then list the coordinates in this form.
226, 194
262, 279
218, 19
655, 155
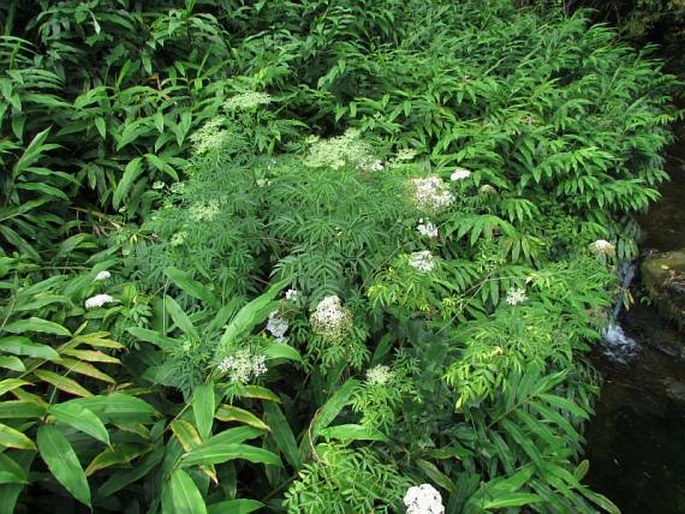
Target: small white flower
291, 295
158, 185
431, 194
178, 187
102, 275
460, 174
242, 366
98, 301
422, 261
247, 100
263, 182
379, 375
423, 499
487, 189
204, 211
427, 229
330, 318
603, 248
376, 166
277, 326
178, 239
406, 154
516, 296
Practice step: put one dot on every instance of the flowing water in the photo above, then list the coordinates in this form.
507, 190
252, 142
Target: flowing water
636, 440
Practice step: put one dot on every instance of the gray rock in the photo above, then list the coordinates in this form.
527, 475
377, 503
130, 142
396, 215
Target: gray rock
663, 275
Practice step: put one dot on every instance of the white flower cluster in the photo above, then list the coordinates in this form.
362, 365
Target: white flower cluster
422, 261
371, 165
379, 375
460, 174
405, 154
178, 239
330, 318
204, 211
247, 100
516, 296
423, 499
98, 301
102, 275
292, 295
211, 136
242, 366
277, 326
431, 194
602, 248
426, 228
338, 151
487, 189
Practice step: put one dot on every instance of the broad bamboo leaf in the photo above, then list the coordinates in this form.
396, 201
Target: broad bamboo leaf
191, 286
81, 419
34, 324
181, 495
132, 171
117, 454
20, 345
162, 165
179, 317
84, 368
118, 408
436, 476
91, 356
240, 506
231, 413
17, 409
123, 478
251, 314
12, 472
203, 404
62, 382
352, 432
13, 363
11, 438
186, 434
258, 392
159, 340
217, 453
11, 383
330, 410
504, 499
62, 462
275, 350
282, 433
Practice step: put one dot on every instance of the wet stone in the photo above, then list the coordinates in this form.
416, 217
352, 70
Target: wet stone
663, 275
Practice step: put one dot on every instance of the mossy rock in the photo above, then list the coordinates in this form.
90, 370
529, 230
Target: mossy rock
663, 275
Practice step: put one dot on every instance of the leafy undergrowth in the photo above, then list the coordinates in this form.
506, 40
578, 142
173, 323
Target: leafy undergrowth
359, 253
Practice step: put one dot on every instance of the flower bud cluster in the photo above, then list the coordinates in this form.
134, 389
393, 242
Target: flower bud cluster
243, 366
428, 229
431, 194
379, 375
516, 296
422, 261
330, 318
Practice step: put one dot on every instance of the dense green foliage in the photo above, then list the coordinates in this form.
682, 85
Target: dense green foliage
300, 257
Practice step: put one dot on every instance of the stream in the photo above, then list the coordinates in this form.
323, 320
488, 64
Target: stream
636, 439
